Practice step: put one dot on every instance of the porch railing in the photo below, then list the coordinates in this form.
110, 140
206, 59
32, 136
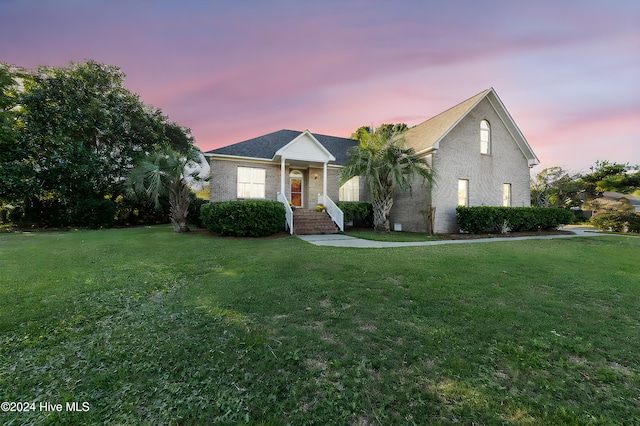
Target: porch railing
334, 211
289, 211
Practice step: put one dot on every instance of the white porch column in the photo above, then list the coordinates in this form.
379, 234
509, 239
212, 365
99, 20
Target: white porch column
282, 171
324, 180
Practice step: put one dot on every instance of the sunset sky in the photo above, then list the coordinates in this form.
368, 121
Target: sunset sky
568, 71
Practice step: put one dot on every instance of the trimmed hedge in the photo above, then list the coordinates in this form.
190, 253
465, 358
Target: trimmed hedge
359, 212
485, 218
251, 218
617, 222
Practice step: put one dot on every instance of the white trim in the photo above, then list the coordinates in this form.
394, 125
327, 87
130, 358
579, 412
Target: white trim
506, 119
512, 128
328, 155
301, 179
324, 180
436, 144
252, 184
239, 158
283, 169
268, 160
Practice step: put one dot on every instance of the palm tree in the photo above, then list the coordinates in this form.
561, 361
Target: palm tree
167, 171
386, 166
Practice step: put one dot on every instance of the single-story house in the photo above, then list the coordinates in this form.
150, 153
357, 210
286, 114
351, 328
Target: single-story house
477, 153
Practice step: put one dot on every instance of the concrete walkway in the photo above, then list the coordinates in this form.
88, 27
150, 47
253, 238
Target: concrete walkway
338, 240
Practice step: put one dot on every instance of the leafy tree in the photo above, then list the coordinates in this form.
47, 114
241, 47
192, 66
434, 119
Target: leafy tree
7, 102
384, 130
16, 172
614, 177
362, 134
76, 135
167, 171
386, 166
555, 187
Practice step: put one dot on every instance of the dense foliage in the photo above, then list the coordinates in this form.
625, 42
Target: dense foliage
361, 213
166, 172
251, 218
485, 218
386, 166
617, 222
555, 187
195, 204
603, 192
70, 137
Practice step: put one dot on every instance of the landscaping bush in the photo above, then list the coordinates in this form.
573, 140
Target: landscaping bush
195, 204
93, 213
617, 222
132, 211
360, 213
252, 218
519, 219
634, 224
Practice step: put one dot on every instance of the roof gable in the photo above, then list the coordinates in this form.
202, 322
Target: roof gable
426, 136
305, 147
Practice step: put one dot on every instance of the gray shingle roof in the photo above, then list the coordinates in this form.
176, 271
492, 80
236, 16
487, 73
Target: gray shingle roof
266, 146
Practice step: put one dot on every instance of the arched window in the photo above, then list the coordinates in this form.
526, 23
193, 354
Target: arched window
485, 137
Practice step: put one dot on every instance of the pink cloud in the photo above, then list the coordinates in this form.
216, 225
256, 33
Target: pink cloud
231, 72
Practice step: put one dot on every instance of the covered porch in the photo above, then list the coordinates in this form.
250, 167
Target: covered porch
304, 178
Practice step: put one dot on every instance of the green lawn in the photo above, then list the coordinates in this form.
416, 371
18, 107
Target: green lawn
150, 327
393, 236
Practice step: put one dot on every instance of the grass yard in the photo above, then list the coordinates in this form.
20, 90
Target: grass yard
149, 327
393, 236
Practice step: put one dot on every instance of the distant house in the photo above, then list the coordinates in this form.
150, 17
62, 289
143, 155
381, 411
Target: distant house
613, 201
478, 154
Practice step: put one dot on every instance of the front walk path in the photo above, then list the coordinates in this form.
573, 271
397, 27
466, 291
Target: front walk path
338, 240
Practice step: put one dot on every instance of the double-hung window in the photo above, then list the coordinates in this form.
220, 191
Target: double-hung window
251, 182
463, 192
506, 194
350, 191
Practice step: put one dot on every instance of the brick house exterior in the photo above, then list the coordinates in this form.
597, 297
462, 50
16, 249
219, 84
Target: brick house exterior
313, 159
477, 153
495, 174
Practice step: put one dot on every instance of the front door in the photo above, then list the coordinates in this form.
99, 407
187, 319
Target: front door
296, 188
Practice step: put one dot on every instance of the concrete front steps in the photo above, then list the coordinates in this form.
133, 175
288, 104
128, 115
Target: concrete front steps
309, 222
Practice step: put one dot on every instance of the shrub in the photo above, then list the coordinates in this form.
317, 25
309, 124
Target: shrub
251, 218
195, 204
93, 213
132, 211
360, 213
617, 222
634, 223
486, 218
